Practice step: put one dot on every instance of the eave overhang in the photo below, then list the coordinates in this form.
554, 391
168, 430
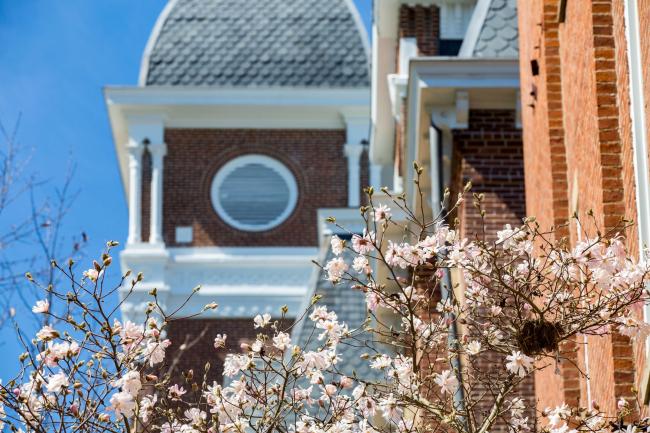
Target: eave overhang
213, 107
434, 83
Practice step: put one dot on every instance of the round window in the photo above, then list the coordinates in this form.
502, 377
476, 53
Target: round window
254, 193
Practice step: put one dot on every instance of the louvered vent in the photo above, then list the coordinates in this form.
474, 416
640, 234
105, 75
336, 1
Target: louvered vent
254, 193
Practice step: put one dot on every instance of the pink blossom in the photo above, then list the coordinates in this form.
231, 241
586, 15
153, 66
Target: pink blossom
220, 341
41, 306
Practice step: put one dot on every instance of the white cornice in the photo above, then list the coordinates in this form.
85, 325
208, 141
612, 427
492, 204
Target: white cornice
244, 281
474, 28
438, 79
248, 96
229, 107
263, 256
464, 73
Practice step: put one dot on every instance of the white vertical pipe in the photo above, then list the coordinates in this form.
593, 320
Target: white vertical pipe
158, 152
135, 192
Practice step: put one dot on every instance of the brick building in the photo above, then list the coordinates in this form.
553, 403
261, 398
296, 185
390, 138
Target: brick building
584, 86
248, 128
445, 93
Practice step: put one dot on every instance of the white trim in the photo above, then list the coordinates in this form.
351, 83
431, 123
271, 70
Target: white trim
464, 73
313, 282
244, 281
363, 32
450, 74
236, 96
184, 234
135, 150
640, 152
151, 42
397, 91
228, 107
353, 154
637, 112
263, 256
158, 152
270, 163
474, 28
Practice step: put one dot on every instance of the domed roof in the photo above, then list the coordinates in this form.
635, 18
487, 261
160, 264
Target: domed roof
257, 43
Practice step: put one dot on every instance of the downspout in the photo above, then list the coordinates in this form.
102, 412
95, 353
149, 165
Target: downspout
639, 139
435, 152
640, 152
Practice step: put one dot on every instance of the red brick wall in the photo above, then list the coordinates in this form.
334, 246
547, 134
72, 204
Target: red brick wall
596, 144
239, 331
422, 23
545, 157
490, 154
316, 158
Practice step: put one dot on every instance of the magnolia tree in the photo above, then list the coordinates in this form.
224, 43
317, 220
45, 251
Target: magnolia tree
447, 309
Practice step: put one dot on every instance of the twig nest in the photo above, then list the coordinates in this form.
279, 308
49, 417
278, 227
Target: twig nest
537, 336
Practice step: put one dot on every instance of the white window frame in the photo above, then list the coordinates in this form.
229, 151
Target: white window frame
269, 162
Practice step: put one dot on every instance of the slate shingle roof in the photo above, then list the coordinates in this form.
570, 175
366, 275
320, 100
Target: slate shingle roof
249, 43
499, 33
350, 307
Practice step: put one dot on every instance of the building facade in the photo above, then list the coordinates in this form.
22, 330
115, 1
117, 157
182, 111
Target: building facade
251, 125
233, 149
445, 93
585, 86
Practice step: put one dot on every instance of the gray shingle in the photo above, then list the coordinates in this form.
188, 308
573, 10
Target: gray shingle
499, 34
350, 306
254, 43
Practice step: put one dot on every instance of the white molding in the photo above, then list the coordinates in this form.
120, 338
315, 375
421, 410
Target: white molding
237, 96
408, 49
639, 137
158, 152
462, 109
151, 42
183, 234
474, 28
347, 220
640, 155
464, 73
361, 28
353, 153
244, 281
228, 107
269, 162
135, 150
445, 76
397, 84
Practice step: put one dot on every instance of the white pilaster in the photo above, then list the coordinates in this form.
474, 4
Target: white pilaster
135, 192
357, 128
158, 152
353, 153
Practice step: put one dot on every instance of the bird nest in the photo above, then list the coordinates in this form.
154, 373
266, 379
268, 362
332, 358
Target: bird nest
538, 336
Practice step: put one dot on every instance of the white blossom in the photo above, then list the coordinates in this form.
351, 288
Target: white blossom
56, 382
519, 364
262, 320
447, 381
41, 306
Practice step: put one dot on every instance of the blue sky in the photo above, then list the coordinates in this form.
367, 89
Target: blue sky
56, 56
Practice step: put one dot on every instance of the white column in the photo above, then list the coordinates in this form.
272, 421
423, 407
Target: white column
375, 176
135, 192
353, 153
158, 152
